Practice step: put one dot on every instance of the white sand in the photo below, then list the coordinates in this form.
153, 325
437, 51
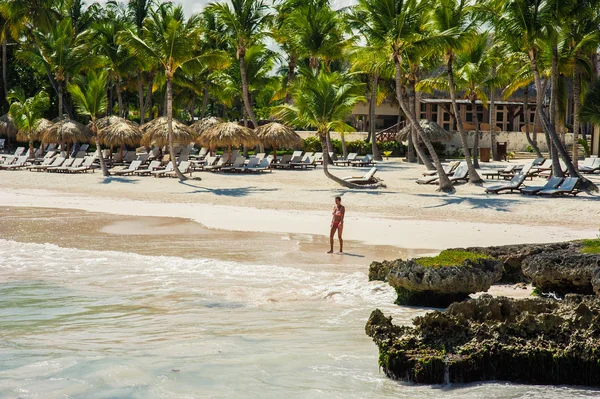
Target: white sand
405, 214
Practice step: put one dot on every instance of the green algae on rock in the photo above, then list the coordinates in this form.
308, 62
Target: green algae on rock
533, 340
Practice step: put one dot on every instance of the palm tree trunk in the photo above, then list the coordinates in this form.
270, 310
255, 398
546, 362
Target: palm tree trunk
290, 78
556, 168
170, 127
492, 120
576, 106
410, 156
60, 99
204, 100
344, 148
245, 90
140, 88
31, 151
4, 70
148, 103
414, 139
545, 122
103, 168
329, 144
473, 175
445, 184
532, 142
476, 138
326, 160
373, 103
119, 97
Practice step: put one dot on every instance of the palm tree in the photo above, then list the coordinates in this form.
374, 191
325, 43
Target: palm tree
138, 12
59, 54
245, 20
453, 17
322, 102
89, 96
27, 112
403, 28
171, 41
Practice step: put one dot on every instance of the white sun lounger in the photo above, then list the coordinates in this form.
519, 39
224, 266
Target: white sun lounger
366, 179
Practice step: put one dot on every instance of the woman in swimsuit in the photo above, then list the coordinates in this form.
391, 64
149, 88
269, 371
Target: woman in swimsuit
337, 223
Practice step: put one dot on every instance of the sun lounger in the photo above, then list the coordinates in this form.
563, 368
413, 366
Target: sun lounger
58, 161
151, 168
201, 164
318, 158
45, 162
553, 183
216, 166
567, 187
546, 165
461, 174
368, 178
263, 166
297, 154
19, 151
343, 162
142, 158
538, 161
252, 163
133, 167
184, 167
75, 163
203, 153
260, 156
365, 161
161, 173
88, 164
21, 162
547, 173
511, 186
590, 165
238, 163
67, 162
283, 162
510, 169
307, 161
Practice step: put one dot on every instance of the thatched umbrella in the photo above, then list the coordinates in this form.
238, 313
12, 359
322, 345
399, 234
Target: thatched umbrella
277, 135
67, 131
228, 134
41, 126
434, 132
200, 126
7, 127
156, 132
117, 131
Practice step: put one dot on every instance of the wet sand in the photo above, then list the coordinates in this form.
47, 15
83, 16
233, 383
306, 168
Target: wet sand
162, 236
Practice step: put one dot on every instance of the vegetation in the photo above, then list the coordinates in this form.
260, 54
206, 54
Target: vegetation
450, 257
591, 246
161, 62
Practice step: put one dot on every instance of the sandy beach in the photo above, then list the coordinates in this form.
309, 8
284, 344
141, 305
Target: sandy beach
403, 215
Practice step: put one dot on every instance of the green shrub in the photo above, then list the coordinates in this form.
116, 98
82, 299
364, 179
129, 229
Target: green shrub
591, 246
529, 148
449, 258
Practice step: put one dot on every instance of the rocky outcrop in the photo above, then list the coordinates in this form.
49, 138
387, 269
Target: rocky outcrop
512, 256
562, 272
419, 285
534, 340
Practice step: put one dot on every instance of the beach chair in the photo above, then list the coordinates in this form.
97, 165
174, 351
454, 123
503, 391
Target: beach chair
283, 162
252, 163
461, 174
343, 162
133, 167
45, 162
203, 153
365, 161
142, 158
51, 147
66, 163
84, 147
88, 164
547, 173
260, 156
216, 166
19, 151
511, 186
538, 161
151, 168
368, 178
58, 161
552, 183
567, 187
307, 161
184, 167
297, 154
590, 165
448, 169
546, 165
237, 163
76, 163
161, 173
184, 155
509, 169
21, 162
2, 141
318, 158
263, 166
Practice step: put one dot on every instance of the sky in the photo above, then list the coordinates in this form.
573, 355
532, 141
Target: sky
195, 6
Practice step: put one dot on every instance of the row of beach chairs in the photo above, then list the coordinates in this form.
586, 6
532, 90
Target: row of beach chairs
554, 187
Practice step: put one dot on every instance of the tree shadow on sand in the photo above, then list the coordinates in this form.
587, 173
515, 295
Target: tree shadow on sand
226, 192
494, 203
114, 179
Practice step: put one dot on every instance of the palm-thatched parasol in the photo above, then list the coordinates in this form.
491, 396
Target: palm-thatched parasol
200, 126
278, 135
67, 131
228, 134
7, 126
117, 131
156, 132
41, 126
434, 132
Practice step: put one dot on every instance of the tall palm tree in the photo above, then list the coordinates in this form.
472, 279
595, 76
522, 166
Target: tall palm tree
139, 10
402, 26
89, 96
170, 40
27, 112
245, 20
453, 17
60, 54
322, 102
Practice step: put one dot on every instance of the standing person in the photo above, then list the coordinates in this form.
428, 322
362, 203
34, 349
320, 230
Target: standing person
337, 223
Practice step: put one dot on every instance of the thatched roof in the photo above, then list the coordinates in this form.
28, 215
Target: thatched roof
41, 126
67, 131
435, 132
228, 134
279, 135
7, 127
116, 131
156, 132
200, 126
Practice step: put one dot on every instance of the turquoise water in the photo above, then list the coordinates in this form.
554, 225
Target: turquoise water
96, 324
